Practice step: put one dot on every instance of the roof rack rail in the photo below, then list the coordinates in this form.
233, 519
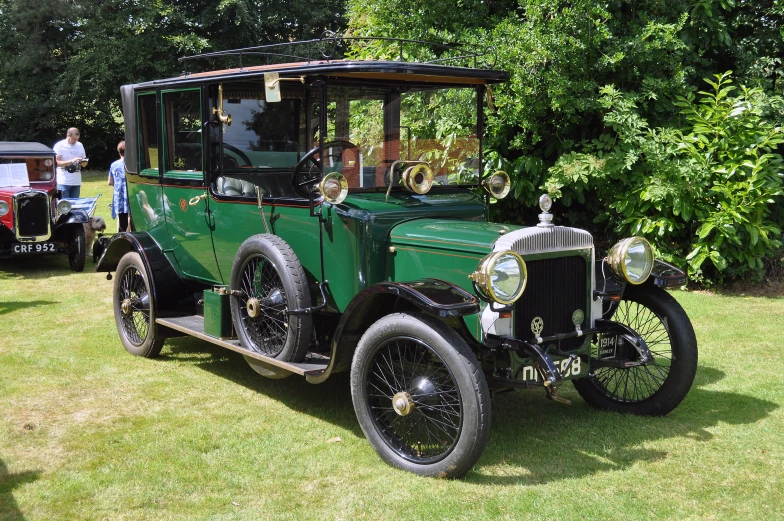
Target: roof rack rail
330, 44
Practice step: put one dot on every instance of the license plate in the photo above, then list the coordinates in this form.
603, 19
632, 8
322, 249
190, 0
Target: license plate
38, 247
609, 346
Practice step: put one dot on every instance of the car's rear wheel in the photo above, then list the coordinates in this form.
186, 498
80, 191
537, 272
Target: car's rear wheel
653, 389
420, 397
77, 252
134, 308
268, 282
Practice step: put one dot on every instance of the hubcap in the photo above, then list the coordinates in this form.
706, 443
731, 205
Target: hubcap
414, 400
253, 307
402, 403
126, 306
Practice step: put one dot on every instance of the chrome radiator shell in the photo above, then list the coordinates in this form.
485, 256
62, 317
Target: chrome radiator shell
529, 241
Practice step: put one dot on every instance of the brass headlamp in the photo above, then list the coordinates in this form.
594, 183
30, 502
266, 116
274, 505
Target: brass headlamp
631, 260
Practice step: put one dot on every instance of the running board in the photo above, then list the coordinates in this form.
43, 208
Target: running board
193, 325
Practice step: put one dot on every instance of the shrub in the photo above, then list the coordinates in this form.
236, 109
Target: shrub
704, 193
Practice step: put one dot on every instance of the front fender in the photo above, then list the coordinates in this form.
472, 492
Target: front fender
665, 275
431, 296
75, 216
172, 295
61, 227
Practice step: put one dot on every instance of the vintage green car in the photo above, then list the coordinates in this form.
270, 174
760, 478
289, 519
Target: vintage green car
321, 215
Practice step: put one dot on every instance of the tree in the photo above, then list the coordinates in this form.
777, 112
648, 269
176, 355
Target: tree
65, 61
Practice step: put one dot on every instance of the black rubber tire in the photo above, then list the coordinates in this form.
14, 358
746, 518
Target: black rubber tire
274, 333
77, 250
455, 371
138, 331
658, 388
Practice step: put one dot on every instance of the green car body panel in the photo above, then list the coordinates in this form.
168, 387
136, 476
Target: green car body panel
361, 224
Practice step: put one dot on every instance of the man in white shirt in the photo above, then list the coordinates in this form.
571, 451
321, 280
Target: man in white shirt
70, 154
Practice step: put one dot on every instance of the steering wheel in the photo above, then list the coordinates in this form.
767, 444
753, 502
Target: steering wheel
246, 160
306, 172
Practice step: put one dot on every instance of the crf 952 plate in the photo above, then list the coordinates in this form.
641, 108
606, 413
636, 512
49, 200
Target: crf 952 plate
38, 247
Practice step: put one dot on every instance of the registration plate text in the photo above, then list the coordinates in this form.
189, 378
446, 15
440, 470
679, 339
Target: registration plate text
38, 247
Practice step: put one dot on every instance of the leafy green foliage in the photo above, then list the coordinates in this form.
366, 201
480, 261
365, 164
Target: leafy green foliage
64, 62
703, 192
732, 140
621, 156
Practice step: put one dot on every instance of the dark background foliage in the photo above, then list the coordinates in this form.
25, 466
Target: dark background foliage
64, 61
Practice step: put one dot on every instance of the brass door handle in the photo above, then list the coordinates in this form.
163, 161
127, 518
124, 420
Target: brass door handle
195, 200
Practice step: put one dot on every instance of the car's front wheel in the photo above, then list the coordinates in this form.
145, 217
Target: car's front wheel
77, 252
656, 388
420, 396
134, 308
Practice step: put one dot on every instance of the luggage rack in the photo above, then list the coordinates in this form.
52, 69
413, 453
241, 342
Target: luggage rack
331, 46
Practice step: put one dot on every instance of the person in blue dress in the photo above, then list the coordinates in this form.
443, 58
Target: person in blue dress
120, 208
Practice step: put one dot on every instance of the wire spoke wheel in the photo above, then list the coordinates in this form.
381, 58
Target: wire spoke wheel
269, 292
636, 384
263, 306
134, 301
655, 388
134, 308
420, 396
414, 400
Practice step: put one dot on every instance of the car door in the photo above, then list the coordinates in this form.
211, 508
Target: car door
189, 220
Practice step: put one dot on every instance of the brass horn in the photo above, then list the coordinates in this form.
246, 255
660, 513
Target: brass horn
498, 184
418, 178
222, 116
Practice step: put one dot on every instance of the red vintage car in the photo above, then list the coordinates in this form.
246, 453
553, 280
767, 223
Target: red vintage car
34, 219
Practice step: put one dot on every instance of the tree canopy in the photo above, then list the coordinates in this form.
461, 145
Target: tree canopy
64, 61
607, 106
609, 109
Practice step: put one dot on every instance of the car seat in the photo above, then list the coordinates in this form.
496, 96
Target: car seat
235, 187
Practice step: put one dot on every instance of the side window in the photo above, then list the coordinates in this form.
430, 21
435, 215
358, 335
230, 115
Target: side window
263, 135
148, 133
182, 111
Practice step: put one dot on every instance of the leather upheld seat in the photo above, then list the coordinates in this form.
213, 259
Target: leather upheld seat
235, 187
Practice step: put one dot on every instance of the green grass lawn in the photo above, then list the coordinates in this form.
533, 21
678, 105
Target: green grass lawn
89, 432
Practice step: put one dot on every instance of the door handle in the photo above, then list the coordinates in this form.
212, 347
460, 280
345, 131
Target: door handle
195, 200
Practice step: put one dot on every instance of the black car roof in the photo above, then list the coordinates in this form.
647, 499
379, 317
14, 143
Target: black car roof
23, 148
359, 69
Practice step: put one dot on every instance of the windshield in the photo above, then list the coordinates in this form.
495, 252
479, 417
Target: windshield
374, 134
23, 171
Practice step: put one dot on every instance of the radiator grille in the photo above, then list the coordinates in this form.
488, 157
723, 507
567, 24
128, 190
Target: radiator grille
527, 241
32, 215
556, 288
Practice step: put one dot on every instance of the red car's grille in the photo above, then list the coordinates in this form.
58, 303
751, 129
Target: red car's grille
32, 215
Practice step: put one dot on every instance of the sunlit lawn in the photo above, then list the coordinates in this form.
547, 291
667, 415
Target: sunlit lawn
88, 431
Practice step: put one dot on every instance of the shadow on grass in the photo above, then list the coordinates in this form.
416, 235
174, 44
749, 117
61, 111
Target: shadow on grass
532, 440
39, 267
330, 401
9, 510
8, 307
